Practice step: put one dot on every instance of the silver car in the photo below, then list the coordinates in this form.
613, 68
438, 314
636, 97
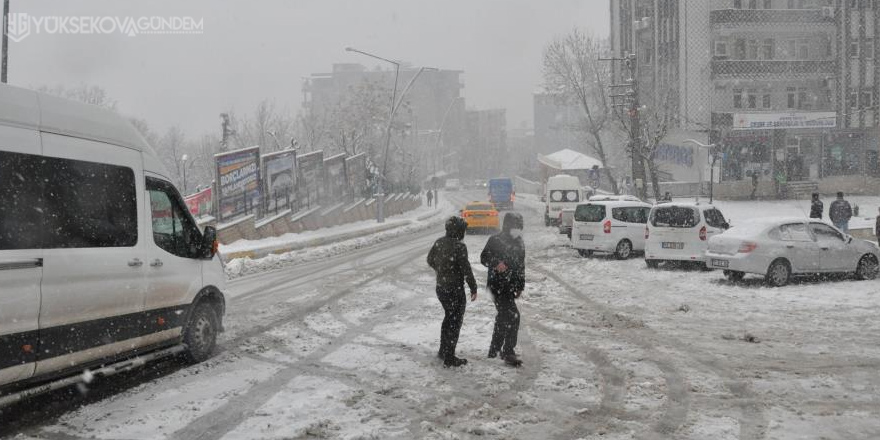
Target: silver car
782, 248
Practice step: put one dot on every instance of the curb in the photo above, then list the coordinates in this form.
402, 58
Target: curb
329, 239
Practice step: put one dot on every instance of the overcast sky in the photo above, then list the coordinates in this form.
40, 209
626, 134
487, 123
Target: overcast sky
251, 50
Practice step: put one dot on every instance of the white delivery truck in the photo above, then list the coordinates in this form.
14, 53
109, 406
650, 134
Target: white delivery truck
561, 191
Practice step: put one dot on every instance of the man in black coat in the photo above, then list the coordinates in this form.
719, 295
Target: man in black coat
449, 259
840, 213
505, 257
816, 207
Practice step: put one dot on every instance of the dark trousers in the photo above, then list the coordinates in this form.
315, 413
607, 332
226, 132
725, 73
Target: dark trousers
506, 323
453, 302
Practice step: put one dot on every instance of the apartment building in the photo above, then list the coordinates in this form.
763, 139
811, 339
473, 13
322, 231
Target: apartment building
787, 88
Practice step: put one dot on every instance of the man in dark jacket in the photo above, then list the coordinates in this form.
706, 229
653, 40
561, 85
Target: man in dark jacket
449, 259
840, 213
816, 207
505, 256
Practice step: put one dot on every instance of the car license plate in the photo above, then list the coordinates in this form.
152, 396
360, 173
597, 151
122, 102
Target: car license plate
720, 263
672, 245
588, 237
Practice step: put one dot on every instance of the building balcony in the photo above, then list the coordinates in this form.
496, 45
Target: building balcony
734, 17
773, 68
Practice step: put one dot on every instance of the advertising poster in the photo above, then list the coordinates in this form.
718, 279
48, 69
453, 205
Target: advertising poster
335, 181
310, 178
200, 203
279, 170
238, 174
356, 168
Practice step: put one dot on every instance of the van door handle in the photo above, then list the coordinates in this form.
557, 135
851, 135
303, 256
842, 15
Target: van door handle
21, 264
156, 263
824, 248
135, 263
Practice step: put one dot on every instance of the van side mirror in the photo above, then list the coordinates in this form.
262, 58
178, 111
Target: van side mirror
209, 242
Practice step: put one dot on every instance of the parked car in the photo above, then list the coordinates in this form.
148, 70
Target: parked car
561, 191
481, 216
614, 226
100, 259
565, 221
681, 232
779, 249
613, 198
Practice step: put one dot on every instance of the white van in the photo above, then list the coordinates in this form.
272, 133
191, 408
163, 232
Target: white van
616, 227
100, 259
681, 232
562, 191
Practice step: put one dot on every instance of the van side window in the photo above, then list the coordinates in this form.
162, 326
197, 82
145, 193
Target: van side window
715, 219
88, 204
173, 227
21, 201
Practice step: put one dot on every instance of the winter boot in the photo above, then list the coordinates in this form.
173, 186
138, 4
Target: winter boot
493, 354
453, 361
511, 359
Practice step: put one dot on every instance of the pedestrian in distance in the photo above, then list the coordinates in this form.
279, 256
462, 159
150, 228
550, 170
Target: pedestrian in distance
505, 256
449, 259
840, 213
877, 227
436, 199
816, 207
430, 197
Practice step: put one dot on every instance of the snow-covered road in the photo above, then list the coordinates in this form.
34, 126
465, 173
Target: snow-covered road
345, 348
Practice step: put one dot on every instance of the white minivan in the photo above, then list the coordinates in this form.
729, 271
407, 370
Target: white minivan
100, 260
616, 227
562, 191
681, 232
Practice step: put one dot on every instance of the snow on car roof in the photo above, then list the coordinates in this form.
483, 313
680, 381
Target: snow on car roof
759, 225
616, 203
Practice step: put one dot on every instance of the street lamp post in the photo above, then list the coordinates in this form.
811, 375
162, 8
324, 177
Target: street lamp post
395, 104
184, 159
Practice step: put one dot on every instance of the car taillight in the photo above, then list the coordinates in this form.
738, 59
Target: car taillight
464, 215
607, 226
493, 213
747, 246
703, 233
647, 233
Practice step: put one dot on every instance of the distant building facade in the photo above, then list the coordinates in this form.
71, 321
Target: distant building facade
787, 88
486, 153
555, 123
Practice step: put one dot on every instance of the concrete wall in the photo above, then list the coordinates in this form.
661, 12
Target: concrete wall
311, 219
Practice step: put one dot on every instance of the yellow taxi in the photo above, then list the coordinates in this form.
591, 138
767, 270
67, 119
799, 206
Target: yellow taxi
481, 216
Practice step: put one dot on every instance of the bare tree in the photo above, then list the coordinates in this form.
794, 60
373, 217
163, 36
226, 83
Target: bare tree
572, 70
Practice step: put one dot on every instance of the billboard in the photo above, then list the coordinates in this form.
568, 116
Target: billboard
310, 178
200, 203
335, 180
778, 121
279, 179
356, 169
238, 176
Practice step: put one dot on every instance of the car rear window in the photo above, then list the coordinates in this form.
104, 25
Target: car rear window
632, 214
589, 213
675, 217
715, 218
559, 195
480, 207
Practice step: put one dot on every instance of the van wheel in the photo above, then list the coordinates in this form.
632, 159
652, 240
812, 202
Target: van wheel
200, 335
734, 275
867, 268
585, 253
652, 264
779, 273
624, 250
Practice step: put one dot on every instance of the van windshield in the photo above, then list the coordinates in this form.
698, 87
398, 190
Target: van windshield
589, 213
675, 217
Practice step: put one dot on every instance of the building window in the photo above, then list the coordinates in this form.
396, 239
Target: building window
869, 48
853, 51
768, 49
867, 97
753, 98
721, 49
739, 49
766, 99
737, 98
753, 4
768, 4
803, 102
737, 4
792, 97
853, 98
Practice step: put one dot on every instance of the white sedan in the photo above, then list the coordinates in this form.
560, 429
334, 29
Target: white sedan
782, 248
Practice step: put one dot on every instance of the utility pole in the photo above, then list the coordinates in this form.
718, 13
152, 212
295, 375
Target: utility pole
631, 96
5, 63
